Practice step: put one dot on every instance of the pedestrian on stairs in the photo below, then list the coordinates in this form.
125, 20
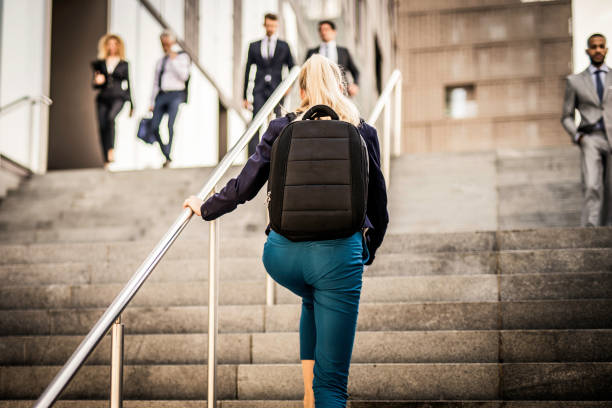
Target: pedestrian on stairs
112, 80
170, 87
589, 93
327, 273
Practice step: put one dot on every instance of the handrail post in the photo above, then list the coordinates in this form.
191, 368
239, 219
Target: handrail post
116, 386
397, 120
269, 281
213, 290
386, 145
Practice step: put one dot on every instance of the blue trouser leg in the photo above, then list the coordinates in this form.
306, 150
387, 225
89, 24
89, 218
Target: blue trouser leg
158, 112
173, 107
327, 275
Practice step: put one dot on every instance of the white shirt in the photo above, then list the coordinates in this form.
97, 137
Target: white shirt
264, 46
111, 64
602, 75
329, 50
175, 74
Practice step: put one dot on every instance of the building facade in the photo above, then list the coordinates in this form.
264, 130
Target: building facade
46, 48
483, 74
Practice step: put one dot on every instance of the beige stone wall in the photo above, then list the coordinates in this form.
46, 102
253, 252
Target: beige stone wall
516, 55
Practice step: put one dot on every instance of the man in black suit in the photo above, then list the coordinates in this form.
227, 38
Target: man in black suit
339, 55
269, 55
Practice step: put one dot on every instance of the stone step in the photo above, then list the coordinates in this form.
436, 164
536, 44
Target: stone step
570, 218
476, 288
299, 404
478, 381
77, 234
526, 315
394, 243
115, 262
458, 288
467, 346
551, 197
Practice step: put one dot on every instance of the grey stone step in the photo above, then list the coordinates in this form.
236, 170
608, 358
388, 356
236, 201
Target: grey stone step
479, 381
299, 404
124, 251
466, 346
451, 288
402, 243
380, 289
567, 219
555, 260
77, 234
553, 197
541, 238
527, 315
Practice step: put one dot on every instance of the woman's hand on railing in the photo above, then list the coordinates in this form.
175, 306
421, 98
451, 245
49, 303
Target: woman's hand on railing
194, 203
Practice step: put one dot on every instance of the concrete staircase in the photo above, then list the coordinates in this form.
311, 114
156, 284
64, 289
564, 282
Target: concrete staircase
461, 318
504, 189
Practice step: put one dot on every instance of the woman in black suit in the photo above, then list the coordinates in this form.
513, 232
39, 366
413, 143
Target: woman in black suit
112, 78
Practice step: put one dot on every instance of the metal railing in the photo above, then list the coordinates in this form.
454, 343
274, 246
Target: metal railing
113, 312
112, 315
384, 105
42, 100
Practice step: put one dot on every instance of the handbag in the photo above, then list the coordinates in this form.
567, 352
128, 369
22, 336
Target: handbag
145, 132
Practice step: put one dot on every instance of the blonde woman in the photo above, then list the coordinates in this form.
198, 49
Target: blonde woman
112, 79
326, 274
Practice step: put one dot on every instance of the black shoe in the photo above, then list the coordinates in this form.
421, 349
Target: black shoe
167, 163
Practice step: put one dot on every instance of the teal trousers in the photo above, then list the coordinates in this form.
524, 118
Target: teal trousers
327, 275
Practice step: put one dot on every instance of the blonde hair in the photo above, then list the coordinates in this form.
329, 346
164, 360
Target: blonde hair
103, 46
321, 80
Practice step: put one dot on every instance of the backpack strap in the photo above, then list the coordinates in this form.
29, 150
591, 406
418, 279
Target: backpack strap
320, 111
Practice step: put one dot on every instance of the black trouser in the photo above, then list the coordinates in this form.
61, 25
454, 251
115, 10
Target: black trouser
108, 109
259, 99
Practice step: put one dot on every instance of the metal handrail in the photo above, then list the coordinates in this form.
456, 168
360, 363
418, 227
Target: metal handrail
27, 98
383, 104
95, 335
33, 101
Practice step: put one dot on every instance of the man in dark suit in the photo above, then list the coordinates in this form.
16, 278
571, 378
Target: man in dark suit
269, 55
339, 55
590, 93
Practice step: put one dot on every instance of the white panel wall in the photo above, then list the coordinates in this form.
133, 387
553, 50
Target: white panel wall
195, 136
24, 71
589, 16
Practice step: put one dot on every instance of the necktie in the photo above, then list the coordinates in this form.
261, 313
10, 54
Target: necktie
600, 88
161, 72
268, 48
326, 50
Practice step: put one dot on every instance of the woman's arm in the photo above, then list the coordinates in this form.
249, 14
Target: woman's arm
251, 179
377, 193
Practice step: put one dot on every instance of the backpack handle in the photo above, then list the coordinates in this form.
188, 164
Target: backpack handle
320, 111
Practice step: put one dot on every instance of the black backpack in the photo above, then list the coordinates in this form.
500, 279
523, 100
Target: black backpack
318, 184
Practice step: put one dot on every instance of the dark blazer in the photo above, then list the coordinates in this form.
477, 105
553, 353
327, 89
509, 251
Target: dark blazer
111, 88
255, 173
274, 67
344, 60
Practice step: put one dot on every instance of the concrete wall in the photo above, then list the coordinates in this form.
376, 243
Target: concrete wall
514, 54
73, 133
588, 17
